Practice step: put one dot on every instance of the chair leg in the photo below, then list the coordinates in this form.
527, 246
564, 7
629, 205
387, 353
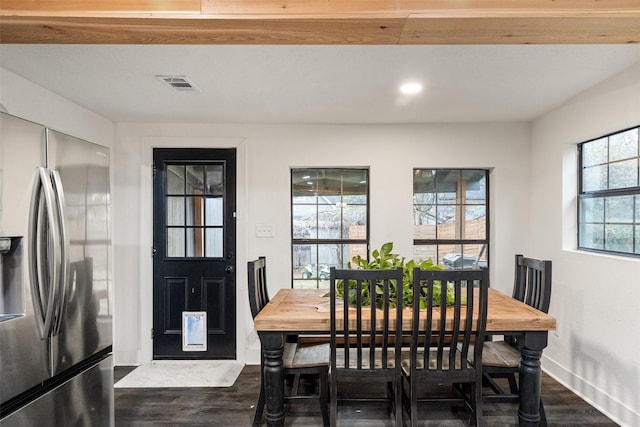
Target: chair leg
398, 402
414, 403
257, 418
324, 397
513, 385
333, 400
391, 396
476, 389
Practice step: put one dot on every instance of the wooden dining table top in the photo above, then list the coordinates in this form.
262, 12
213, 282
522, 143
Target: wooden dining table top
308, 310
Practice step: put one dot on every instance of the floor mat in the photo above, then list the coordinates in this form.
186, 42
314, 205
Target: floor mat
210, 373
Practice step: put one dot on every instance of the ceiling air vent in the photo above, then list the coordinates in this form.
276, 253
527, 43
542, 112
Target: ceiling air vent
181, 83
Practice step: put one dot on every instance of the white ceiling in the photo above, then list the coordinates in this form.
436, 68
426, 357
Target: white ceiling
319, 84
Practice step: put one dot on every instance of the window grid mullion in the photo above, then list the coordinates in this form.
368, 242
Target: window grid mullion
440, 180
334, 186
606, 195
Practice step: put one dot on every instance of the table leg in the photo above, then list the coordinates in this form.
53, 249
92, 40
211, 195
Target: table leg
531, 377
273, 346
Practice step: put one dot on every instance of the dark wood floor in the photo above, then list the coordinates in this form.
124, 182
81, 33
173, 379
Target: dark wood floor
234, 406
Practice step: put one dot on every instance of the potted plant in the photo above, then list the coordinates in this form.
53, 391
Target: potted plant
386, 259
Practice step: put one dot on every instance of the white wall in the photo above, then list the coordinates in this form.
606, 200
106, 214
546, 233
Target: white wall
24, 99
594, 351
595, 297
265, 155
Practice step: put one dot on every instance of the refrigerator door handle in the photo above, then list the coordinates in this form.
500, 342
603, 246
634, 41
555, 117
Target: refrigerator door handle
62, 279
40, 268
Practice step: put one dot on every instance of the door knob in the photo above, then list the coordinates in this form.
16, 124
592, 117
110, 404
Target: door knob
229, 269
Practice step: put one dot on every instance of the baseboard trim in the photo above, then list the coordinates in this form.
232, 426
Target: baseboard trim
615, 410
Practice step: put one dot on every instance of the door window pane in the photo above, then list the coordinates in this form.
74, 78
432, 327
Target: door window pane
214, 181
175, 242
195, 179
175, 210
175, 179
195, 242
214, 243
214, 212
194, 210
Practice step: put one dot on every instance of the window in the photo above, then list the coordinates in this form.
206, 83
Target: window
329, 222
450, 210
194, 204
609, 194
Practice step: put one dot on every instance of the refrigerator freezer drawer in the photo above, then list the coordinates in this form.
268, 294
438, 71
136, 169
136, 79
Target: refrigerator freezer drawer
84, 400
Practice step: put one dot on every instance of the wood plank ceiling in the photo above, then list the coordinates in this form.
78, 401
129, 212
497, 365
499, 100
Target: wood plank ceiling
320, 21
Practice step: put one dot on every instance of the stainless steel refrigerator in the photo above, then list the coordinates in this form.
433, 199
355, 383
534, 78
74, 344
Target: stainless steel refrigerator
56, 365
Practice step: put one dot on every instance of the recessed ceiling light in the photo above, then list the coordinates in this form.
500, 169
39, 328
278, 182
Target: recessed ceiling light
411, 88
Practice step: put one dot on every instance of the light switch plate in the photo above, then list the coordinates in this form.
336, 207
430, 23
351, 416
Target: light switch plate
265, 230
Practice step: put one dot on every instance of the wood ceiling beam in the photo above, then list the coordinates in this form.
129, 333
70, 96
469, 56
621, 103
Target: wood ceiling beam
320, 21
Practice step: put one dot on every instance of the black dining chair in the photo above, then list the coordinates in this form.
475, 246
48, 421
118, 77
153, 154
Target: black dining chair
501, 359
365, 349
310, 362
441, 338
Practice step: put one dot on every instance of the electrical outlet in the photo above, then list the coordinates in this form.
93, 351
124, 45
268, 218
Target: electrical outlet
265, 230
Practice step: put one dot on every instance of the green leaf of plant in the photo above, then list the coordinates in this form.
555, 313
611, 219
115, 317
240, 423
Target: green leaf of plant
387, 248
385, 259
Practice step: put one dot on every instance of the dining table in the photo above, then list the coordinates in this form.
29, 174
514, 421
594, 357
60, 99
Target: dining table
306, 311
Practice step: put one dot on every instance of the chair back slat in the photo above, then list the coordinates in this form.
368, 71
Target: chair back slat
532, 283
368, 331
462, 321
257, 280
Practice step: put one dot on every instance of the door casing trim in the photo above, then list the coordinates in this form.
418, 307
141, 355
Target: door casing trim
147, 144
